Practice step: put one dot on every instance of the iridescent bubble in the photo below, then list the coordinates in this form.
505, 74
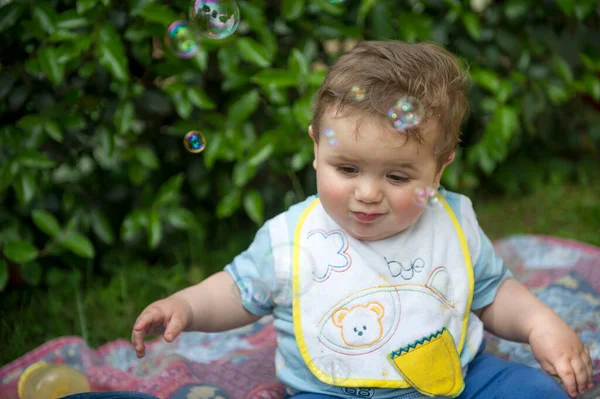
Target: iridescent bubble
281, 254
333, 368
216, 19
251, 291
358, 94
330, 134
406, 113
194, 142
426, 196
181, 40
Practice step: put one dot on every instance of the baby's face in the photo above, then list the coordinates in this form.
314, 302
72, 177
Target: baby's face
367, 182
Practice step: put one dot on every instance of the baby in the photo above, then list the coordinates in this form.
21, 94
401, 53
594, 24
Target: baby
372, 293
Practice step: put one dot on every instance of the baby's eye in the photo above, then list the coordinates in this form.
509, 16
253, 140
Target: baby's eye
398, 179
347, 170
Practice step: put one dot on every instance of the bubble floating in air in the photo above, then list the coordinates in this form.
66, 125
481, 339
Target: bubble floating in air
194, 142
406, 113
181, 40
215, 19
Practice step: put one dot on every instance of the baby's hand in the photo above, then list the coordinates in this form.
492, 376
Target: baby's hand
560, 352
169, 316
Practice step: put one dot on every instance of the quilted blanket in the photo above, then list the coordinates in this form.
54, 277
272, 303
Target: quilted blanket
239, 364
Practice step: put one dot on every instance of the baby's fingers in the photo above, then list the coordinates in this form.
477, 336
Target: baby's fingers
143, 326
581, 375
175, 326
564, 369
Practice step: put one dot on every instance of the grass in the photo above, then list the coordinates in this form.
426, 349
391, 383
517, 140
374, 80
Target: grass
102, 311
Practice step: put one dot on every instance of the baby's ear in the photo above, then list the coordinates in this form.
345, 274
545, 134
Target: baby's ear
339, 315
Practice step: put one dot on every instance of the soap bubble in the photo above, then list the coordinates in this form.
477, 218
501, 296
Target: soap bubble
249, 290
181, 40
194, 142
426, 196
216, 19
330, 134
334, 368
406, 113
281, 255
358, 94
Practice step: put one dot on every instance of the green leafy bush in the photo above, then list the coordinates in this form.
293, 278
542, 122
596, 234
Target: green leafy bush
93, 173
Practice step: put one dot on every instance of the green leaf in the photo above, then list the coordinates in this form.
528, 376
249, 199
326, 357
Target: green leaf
46, 222
180, 218
3, 269
159, 13
78, 244
279, 78
85, 5
253, 52
147, 157
486, 79
363, 11
242, 173
54, 131
33, 159
20, 251
229, 203
44, 16
261, 155
124, 117
111, 53
563, 69
48, 60
244, 107
566, 6
154, 228
71, 20
298, 65
254, 206
25, 187
471, 22
169, 191
292, 9
101, 227
200, 99
10, 14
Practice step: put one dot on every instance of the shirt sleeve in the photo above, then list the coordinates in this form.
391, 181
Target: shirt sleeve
253, 274
489, 270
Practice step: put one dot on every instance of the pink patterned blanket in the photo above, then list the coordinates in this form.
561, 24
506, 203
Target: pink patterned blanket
239, 364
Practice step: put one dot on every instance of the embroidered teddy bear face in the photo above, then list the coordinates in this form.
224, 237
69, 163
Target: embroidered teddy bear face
360, 325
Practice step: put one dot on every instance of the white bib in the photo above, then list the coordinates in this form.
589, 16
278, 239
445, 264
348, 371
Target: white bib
385, 314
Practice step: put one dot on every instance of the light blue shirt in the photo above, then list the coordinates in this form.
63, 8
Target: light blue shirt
254, 272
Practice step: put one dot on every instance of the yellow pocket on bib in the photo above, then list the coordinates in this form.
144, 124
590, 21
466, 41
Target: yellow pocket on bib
431, 365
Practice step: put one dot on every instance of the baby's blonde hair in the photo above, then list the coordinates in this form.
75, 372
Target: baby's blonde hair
388, 70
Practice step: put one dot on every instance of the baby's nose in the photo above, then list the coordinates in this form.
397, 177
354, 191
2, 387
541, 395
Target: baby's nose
360, 333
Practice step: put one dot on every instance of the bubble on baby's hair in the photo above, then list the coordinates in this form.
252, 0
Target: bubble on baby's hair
250, 290
426, 196
332, 367
215, 19
194, 142
181, 40
330, 134
282, 256
406, 113
358, 94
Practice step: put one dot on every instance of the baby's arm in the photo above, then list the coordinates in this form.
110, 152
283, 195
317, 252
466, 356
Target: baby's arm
518, 315
215, 306
514, 312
